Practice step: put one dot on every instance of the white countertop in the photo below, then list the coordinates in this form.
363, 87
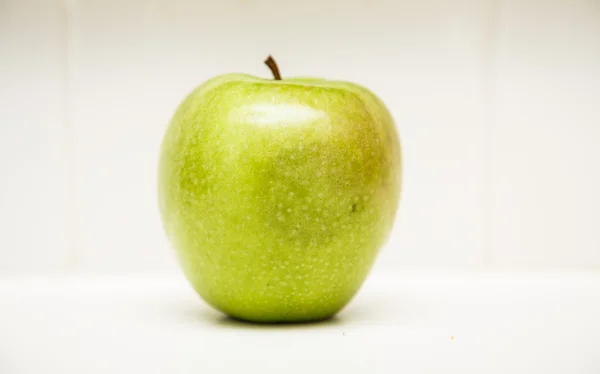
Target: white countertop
414, 323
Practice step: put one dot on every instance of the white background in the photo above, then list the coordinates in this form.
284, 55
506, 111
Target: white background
497, 103
493, 265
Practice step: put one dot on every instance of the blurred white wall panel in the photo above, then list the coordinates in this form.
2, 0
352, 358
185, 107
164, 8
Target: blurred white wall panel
546, 155
34, 237
123, 94
133, 61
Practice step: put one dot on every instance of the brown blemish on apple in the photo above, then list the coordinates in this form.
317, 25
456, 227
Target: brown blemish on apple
357, 208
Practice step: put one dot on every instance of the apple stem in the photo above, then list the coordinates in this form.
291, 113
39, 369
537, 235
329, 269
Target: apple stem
273, 66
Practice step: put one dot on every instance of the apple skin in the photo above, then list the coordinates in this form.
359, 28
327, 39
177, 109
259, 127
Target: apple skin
277, 195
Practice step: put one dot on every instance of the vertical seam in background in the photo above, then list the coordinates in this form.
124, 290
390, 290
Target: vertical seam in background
70, 148
489, 121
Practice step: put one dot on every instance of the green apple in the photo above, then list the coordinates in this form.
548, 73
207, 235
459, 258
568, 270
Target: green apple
278, 194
